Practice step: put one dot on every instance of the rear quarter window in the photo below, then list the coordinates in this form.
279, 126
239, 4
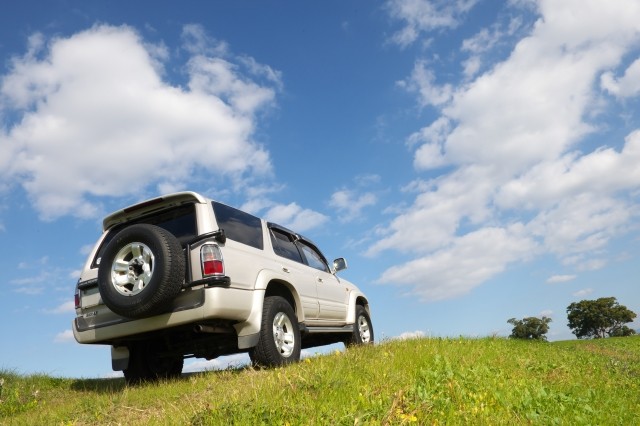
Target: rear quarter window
239, 226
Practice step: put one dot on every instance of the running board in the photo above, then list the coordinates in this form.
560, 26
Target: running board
304, 329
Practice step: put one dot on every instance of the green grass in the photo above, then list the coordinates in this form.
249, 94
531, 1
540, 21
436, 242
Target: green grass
424, 382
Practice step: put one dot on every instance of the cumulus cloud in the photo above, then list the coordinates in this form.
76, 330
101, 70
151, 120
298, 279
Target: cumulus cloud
561, 278
485, 41
584, 292
423, 82
408, 335
295, 217
626, 86
91, 115
350, 204
518, 183
422, 16
469, 261
431, 139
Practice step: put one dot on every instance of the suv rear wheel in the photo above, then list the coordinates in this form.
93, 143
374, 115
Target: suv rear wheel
149, 361
279, 342
141, 271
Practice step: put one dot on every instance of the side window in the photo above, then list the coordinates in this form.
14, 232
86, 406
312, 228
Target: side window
314, 258
283, 245
239, 226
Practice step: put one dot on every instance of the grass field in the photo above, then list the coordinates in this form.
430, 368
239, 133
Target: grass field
490, 381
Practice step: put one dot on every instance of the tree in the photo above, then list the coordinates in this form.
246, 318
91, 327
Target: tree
599, 318
530, 328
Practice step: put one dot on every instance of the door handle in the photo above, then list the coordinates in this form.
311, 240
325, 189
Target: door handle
285, 270
320, 280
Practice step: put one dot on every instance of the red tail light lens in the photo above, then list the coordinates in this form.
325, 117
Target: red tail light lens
211, 260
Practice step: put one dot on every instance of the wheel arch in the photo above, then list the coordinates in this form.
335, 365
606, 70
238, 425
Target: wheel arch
355, 300
267, 284
362, 301
282, 288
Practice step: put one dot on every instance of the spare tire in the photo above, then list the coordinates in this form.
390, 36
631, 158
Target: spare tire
141, 271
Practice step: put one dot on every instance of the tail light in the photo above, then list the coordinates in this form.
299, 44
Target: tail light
211, 260
77, 298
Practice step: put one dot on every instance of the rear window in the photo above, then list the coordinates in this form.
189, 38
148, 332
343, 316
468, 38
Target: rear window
180, 221
239, 226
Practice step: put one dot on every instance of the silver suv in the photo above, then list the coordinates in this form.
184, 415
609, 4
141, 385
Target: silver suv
183, 276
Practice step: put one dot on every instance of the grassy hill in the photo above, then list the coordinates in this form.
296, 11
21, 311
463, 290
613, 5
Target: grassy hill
425, 381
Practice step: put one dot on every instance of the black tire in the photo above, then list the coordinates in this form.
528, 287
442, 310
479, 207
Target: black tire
141, 271
362, 329
148, 362
280, 342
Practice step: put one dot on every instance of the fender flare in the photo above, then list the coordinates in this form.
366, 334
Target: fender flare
248, 330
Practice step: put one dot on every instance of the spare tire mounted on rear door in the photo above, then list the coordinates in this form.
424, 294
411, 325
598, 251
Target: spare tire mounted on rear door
141, 271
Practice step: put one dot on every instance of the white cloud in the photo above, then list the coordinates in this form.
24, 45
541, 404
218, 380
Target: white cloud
517, 185
350, 205
422, 82
468, 262
583, 292
430, 154
431, 223
222, 363
582, 224
198, 42
32, 285
295, 217
626, 86
64, 308
561, 278
421, 16
573, 174
408, 335
100, 95
64, 337
367, 179
42, 276
486, 40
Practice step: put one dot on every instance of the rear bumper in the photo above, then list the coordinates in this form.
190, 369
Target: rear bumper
101, 326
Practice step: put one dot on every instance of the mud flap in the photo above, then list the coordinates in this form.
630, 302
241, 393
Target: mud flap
119, 358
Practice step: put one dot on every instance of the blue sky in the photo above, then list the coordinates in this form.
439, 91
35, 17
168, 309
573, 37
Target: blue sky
474, 160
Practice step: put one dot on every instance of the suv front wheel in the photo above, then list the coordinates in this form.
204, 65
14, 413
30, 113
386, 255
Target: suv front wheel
362, 330
279, 342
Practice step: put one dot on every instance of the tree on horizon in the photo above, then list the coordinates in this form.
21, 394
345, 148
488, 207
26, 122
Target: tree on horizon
596, 319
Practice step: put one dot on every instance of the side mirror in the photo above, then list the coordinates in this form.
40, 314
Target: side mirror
339, 264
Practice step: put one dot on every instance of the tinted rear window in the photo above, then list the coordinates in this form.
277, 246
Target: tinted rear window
180, 221
239, 226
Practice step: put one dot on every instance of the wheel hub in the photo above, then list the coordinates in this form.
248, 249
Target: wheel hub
363, 329
132, 269
283, 336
